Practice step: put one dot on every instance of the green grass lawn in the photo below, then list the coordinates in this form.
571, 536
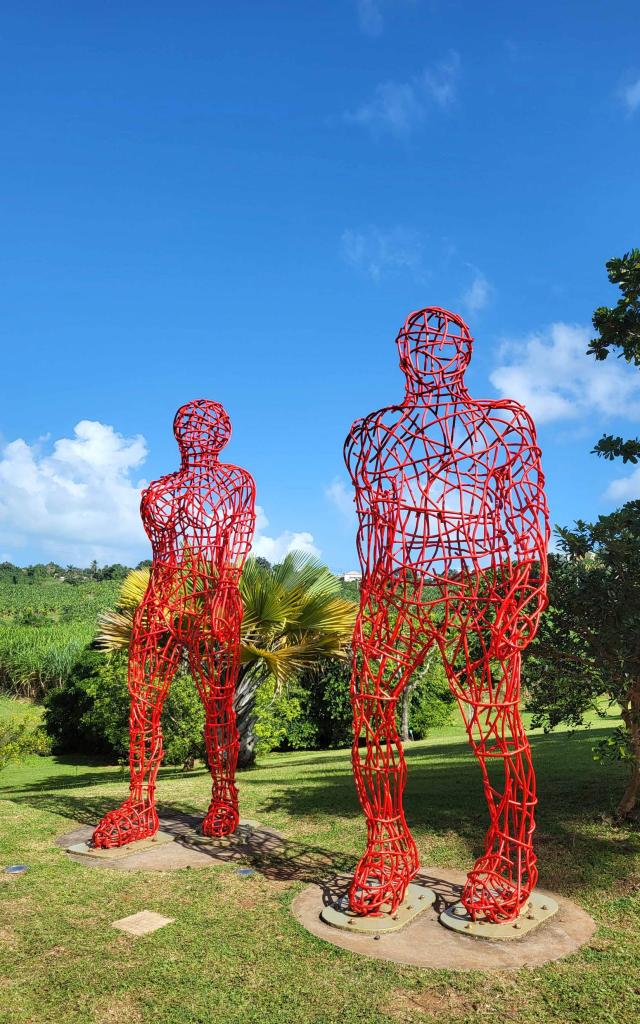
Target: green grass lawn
235, 953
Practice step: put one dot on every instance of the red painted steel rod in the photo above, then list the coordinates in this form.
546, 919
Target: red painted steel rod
452, 539
200, 521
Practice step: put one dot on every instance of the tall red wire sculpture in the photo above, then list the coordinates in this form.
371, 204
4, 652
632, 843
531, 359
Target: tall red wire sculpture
452, 539
200, 521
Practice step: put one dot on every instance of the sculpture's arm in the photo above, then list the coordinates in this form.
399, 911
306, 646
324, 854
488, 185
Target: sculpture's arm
526, 523
357, 447
375, 491
242, 522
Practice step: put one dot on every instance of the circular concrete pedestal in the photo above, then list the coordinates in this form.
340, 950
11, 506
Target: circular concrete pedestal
426, 943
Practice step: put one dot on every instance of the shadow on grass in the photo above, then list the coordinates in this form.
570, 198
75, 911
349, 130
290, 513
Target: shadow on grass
444, 795
86, 774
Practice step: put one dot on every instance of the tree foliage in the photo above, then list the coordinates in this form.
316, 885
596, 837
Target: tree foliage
618, 330
587, 644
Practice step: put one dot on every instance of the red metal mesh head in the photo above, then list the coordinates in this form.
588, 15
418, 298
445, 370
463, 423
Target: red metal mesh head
201, 427
434, 345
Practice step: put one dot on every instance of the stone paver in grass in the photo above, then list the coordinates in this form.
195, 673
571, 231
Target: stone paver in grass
142, 923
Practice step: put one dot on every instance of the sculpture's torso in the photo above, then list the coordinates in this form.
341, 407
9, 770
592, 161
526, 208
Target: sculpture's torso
432, 480
200, 522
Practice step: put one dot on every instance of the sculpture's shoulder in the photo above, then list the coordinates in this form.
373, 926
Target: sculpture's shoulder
159, 502
376, 429
236, 480
510, 420
158, 492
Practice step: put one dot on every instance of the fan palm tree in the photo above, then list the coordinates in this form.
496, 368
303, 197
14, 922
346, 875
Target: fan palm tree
294, 617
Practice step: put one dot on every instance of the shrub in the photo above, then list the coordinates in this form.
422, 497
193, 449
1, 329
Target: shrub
277, 713
90, 714
20, 736
431, 701
325, 719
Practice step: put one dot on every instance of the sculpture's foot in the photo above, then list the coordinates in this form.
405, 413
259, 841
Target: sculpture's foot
489, 893
383, 874
135, 819
221, 820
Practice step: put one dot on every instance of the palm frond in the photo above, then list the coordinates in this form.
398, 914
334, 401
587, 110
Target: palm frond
294, 615
133, 588
114, 629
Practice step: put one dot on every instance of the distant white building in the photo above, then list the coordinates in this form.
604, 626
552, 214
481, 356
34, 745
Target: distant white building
353, 576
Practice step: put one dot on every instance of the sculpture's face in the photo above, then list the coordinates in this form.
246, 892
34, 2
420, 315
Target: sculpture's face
434, 344
201, 426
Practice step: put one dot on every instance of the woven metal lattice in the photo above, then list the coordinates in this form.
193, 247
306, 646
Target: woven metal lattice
452, 539
200, 521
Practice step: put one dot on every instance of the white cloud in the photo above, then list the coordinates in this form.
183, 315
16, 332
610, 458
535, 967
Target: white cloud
624, 488
553, 377
477, 294
376, 252
275, 548
630, 96
79, 500
397, 107
342, 498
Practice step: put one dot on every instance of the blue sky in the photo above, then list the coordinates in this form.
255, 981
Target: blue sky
243, 201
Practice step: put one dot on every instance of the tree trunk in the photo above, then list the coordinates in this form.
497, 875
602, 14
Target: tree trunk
631, 718
631, 793
245, 705
405, 707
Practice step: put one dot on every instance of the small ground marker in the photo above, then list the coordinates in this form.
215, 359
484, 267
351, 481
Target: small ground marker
16, 869
142, 923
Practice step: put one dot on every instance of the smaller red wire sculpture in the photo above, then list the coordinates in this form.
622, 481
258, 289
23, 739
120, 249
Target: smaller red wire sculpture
452, 539
200, 521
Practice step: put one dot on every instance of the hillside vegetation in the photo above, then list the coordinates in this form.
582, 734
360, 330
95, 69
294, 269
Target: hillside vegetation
47, 619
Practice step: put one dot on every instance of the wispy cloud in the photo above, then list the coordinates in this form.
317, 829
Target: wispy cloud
341, 497
370, 16
630, 96
398, 107
377, 252
624, 488
550, 373
477, 294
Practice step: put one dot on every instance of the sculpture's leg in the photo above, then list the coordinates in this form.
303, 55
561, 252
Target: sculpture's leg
383, 660
503, 877
215, 662
151, 669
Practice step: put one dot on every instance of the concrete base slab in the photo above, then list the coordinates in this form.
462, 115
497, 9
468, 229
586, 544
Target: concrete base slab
539, 909
244, 830
425, 943
142, 923
182, 846
118, 852
418, 898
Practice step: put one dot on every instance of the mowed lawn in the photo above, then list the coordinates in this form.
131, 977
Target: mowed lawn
235, 953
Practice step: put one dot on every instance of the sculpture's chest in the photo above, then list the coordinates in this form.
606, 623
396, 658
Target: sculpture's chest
185, 508
447, 464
